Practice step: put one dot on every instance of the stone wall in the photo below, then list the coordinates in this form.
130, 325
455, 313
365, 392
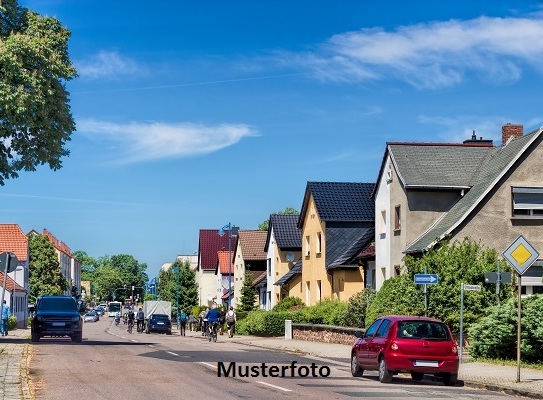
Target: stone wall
324, 333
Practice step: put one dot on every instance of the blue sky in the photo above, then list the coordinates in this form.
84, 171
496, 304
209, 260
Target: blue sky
191, 115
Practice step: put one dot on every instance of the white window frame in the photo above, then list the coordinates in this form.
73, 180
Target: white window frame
527, 202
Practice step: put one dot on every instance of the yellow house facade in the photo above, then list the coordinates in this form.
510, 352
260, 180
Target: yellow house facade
337, 224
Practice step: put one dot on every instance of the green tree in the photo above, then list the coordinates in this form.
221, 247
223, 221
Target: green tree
45, 276
264, 225
35, 118
179, 281
107, 279
248, 294
88, 265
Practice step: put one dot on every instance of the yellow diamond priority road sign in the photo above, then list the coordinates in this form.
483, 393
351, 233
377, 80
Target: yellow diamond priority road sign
521, 255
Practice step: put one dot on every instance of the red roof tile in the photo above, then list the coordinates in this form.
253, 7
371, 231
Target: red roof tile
11, 284
252, 244
223, 262
210, 243
13, 239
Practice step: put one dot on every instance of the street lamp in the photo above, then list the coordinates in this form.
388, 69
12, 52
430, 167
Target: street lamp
232, 231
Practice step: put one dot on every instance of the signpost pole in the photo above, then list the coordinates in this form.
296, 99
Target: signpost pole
519, 312
498, 282
425, 295
461, 320
6, 267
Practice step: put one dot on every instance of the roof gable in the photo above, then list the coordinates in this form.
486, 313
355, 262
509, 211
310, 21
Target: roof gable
225, 267
252, 243
12, 239
495, 166
11, 285
210, 242
340, 201
285, 231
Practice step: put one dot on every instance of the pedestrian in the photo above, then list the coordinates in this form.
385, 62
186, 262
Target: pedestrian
183, 321
222, 315
231, 320
192, 322
6, 313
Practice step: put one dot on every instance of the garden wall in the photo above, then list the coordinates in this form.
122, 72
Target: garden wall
324, 333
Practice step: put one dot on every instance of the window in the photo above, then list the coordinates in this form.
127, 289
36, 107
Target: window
307, 246
319, 293
383, 329
397, 218
373, 328
383, 223
319, 243
527, 202
269, 266
308, 293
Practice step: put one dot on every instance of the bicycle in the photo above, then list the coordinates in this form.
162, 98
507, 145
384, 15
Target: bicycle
140, 327
213, 332
130, 325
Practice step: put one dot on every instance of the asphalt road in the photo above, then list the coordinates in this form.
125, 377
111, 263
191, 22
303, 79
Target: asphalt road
119, 365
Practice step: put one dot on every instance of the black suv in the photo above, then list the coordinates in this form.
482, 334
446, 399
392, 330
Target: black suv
56, 316
159, 323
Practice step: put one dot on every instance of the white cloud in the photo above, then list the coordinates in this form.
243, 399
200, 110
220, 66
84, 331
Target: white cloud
147, 141
431, 55
107, 64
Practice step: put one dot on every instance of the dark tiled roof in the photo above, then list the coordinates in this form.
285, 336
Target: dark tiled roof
437, 165
262, 283
340, 201
256, 276
210, 243
252, 244
285, 231
344, 242
295, 270
495, 166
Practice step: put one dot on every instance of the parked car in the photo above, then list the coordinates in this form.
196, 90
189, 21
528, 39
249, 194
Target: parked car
91, 316
159, 323
399, 343
99, 310
56, 316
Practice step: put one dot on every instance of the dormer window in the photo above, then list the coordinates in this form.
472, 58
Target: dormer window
527, 202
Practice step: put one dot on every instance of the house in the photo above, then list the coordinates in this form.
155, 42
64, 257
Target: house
283, 247
225, 278
336, 223
426, 192
69, 265
13, 240
249, 255
209, 244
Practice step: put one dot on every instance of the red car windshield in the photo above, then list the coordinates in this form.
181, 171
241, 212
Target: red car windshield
423, 329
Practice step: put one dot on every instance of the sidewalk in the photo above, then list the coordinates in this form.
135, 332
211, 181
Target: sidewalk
14, 353
500, 378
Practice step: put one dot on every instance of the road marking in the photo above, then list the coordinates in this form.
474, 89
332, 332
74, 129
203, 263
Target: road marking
132, 340
208, 364
274, 386
150, 345
173, 354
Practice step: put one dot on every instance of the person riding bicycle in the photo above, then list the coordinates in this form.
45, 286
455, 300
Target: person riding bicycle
140, 318
130, 318
213, 319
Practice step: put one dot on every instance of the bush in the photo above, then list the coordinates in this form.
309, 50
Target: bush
326, 312
12, 322
355, 315
287, 303
398, 295
196, 310
495, 335
268, 323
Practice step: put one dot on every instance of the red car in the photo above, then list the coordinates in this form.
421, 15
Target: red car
401, 343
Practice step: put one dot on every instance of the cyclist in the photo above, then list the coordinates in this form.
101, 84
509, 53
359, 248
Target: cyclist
130, 318
140, 319
213, 320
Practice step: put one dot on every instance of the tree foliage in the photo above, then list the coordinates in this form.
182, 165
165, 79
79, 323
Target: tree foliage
179, 281
35, 117
88, 265
264, 225
45, 276
455, 263
248, 294
357, 307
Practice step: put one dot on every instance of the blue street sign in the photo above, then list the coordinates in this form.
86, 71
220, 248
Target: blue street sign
426, 279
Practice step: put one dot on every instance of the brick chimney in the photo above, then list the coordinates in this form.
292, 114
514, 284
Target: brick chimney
511, 131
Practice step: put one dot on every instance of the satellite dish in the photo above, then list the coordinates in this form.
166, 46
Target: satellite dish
290, 256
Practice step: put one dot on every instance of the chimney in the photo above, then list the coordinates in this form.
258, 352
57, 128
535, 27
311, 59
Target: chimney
511, 131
